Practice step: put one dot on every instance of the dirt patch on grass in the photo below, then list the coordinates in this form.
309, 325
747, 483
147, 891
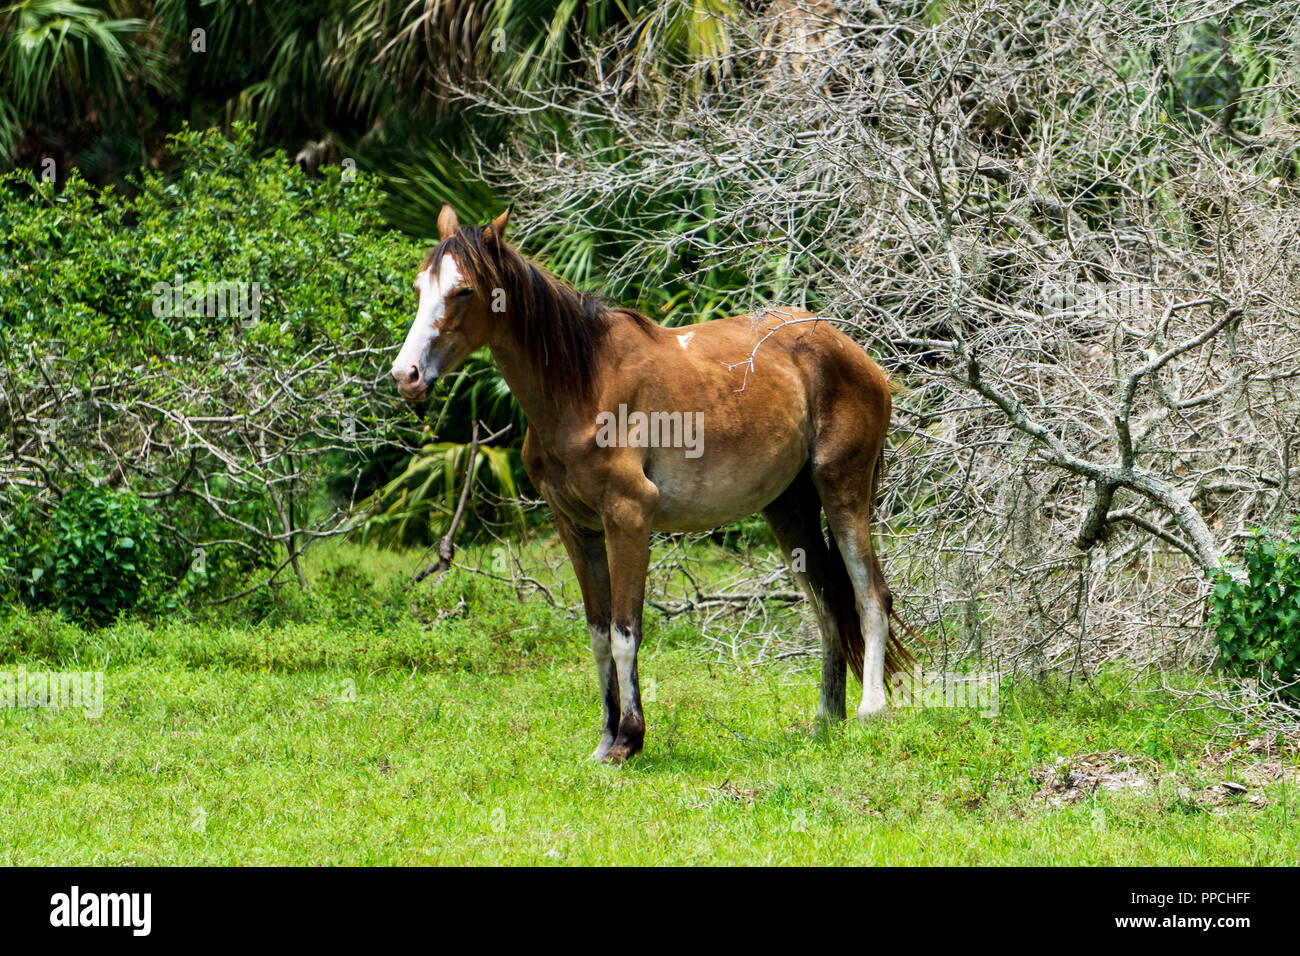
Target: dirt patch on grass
729, 791
1244, 770
1218, 797
1071, 779
1256, 762
1240, 774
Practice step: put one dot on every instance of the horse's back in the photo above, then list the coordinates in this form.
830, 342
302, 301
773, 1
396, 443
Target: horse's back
767, 393
836, 373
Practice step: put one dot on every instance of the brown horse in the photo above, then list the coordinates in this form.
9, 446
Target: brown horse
635, 428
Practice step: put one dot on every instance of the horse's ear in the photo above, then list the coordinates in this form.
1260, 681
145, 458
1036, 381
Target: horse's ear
495, 231
447, 222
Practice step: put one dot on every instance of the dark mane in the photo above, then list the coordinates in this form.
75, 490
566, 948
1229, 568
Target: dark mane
559, 327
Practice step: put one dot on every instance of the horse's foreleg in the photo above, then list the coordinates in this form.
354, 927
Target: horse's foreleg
627, 534
591, 566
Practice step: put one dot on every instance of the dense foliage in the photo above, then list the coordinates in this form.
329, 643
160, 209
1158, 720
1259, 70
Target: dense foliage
1256, 618
225, 413
97, 85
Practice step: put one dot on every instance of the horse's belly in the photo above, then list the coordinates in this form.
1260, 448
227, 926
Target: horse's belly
694, 496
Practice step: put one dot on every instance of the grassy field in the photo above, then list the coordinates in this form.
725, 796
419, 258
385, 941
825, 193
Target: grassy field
338, 728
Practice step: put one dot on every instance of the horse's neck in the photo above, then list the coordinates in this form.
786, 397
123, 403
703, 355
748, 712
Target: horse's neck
544, 412
524, 384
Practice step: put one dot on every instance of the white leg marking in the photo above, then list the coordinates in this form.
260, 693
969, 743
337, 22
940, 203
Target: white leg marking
624, 652
600, 649
875, 632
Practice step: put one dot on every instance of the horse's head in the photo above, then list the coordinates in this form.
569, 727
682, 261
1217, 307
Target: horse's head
455, 314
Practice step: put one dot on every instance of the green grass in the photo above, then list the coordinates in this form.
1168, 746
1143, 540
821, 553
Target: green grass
322, 735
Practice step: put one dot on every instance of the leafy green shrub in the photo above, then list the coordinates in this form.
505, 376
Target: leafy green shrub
119, 331
1256, 618
98, 555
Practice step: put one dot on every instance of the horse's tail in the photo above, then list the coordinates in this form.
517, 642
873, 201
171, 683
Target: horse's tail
844, 608
898, 659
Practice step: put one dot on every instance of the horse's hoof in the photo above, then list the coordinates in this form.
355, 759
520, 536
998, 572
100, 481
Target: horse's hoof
622, 751
871, 709
602, 748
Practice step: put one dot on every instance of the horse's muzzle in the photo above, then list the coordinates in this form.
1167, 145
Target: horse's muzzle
411, 383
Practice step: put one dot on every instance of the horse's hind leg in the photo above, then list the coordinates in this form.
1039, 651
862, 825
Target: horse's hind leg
795, 519
847, 488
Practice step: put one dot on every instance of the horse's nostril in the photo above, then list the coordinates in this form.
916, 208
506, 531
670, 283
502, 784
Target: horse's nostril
413, 375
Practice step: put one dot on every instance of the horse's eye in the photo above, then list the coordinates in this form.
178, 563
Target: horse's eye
464, 291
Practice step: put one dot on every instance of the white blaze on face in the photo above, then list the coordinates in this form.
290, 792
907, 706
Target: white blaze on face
428, 316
